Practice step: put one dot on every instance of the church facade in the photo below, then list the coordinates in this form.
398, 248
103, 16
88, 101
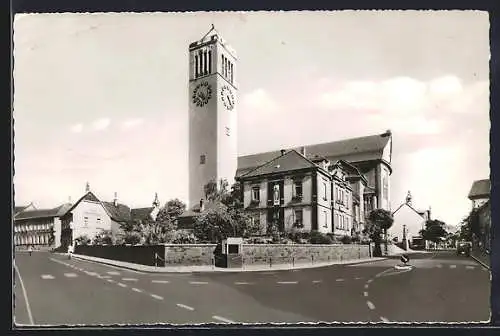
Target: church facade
356, 171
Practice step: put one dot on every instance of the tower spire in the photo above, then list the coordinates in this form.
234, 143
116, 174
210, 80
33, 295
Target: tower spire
156, 201
408, 198
87, 187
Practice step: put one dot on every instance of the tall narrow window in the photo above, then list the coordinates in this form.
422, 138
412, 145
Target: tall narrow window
205, 63
255, 194
325, 214
297, 189
222, 65
298, 219
202, 159
196, 61
325, 191
232, 72
210, 61
225, 67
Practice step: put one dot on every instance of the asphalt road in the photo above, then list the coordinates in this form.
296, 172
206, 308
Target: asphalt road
442, 287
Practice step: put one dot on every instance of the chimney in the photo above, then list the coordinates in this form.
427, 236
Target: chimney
283, 152
202, 205
115, 200
303, 151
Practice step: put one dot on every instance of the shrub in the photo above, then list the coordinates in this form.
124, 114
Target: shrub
103, 238
319, 238
82, 240
132, 238
183, 237
346, 239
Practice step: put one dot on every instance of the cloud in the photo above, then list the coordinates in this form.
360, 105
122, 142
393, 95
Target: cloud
101, 124
260, 100
76, 128
131, 123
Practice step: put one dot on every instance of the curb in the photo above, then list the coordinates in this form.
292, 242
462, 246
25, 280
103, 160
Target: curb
480, 262
221, 270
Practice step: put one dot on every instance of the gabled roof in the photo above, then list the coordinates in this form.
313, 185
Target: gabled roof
141, 213
338, 149
119, 212
480, 189
41, 213
409, 206
289, 161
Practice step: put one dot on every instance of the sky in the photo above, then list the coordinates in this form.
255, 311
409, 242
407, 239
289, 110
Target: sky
103, 98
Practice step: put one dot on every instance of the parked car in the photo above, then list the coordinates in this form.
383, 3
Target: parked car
464, 248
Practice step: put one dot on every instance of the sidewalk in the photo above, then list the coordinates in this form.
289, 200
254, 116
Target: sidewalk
482, 258
207, 268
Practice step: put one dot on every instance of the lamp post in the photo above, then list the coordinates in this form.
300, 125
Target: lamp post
405, 242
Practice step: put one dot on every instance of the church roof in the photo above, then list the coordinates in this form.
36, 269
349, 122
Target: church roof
409, 206
289, 161
374, 144
480, 189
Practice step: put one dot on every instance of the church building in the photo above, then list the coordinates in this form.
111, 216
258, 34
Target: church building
356, 171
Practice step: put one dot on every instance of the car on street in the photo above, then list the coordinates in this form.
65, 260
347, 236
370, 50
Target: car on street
464, 248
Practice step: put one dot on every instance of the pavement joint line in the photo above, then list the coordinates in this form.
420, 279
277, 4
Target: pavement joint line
198, 282
157, 297
370, 305
222, 319
25, 294
137, 290
287, 282
121, 284
365, 294
185, 307
47, 277
160, 281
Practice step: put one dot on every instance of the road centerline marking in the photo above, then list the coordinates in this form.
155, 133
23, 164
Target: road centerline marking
198, 282
453, 266
243, 283
287, 282
160, 281
111, 280
129, 279
316, 281
339, 280
370, 305
105, 276
137, 290
222, 319
469, 267
113, 273
358, 278
70, 275
25, 294
157, 297
365, 294
185, 307
122, 285
366, 286
47, 277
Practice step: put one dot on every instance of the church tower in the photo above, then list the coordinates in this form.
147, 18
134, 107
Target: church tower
212, 114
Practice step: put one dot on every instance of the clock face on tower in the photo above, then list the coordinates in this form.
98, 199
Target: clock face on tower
227, 97
202, 94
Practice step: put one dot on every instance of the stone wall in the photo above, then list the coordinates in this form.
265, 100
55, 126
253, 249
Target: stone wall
189, 254
143, 255
254, 254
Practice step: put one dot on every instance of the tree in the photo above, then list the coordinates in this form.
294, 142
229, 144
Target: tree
465, 233
226, 217
379, 221
175, 208
434, 230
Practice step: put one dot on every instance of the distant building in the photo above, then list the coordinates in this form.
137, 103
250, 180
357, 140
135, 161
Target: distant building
38, 227
479, 192
90, 216
409, 219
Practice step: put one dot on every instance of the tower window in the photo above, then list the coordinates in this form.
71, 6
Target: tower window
222, 65
200, 68
228, 131
202, 159
205, 65
231, 72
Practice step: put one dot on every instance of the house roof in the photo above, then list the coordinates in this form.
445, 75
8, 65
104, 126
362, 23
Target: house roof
368, 144
409, 206
289, 161
119, 212
480, 189
42, 213
141, 213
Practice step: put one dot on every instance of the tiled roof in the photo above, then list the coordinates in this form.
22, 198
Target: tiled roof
289, 161
141, 213
42, 213
118, 213
337, 149
480, 189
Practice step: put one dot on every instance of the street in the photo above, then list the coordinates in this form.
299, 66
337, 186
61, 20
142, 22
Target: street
442, 287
